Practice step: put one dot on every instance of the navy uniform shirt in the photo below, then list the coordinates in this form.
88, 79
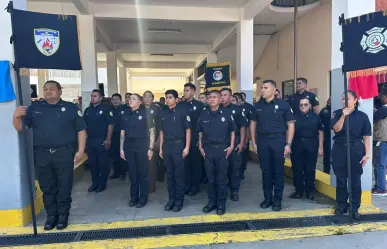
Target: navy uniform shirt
359, 126
238, 115
195, 107
272, 117
98, 118
294, 100
136, 124
174, 122
248, 110
325, 115
117, 112
216, 126
54, 126
154, 113
307, 125
380, 114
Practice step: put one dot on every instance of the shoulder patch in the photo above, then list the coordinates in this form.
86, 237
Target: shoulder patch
188, 119
291, 110
80, 113
316, 98
111, 113
232, 118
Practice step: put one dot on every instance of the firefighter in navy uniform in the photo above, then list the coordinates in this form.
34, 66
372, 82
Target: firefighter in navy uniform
307, 145
119, 165
57, 125
359, 136
235, 159
269, 121
248, 110
194, 160
294, 100
154, 113
216, 143
325, 115
136, 147
99, 120
175, 140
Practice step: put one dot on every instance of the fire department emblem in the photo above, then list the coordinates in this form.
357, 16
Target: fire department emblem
47, 41
218, 75
375, 40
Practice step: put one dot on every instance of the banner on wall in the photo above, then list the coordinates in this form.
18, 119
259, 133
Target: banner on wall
218, 75
365, 41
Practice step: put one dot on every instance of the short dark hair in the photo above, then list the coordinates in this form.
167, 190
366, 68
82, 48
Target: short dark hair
153, 96
117, 95
162, 98
272, 82
238, 96
306, 99
127, 94
202, 94
97, 91
226, 89
215, 91
206, 93
353, 93
54, 82
303, 80
243, 94
172, 92
190, 85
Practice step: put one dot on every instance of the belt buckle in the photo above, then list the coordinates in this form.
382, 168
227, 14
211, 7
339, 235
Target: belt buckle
51, 150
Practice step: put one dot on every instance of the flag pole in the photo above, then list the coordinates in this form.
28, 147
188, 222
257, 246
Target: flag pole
23, 133
346, 122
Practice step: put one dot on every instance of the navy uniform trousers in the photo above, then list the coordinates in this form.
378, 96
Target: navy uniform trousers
327, 154
304, 158
193, 164
339, 165
118, 163
98, 160
136, 154
174, 163
271, 159
216, 166
55, 175
234, 170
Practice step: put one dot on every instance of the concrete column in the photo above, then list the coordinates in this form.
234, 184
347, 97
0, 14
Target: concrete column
245, 57
42, 78
212, 58
129, 82
89, 57
14, 202
196, 82
112, 78
350, 8
123, 81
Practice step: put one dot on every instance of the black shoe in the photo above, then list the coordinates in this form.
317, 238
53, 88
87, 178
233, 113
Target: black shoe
234, 196
92, 188
187, 190
114, 176
356, 215
99, 189
63, 222
122, 177
277, 206
340, 211
177, 208
193, 191
310, 197
168, 207
296, 195
266, 204
133, 203
221, 209
209, 208
50, 223
141, 203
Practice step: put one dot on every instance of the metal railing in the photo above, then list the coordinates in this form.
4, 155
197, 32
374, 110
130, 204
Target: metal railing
291, 3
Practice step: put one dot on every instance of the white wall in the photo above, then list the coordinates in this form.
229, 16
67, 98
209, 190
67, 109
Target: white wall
157, 85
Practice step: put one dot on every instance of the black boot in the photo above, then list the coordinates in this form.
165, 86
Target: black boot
277, 206
168, 207
63, 222
142, 203
266, 204
340, 211
177, 207
234, 196
221, 209
209, 208
92, 188
133, 202
193, 191
50, 222
296, 195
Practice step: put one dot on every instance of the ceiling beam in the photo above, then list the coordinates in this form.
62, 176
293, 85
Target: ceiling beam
224, 35
82, 6
120, 60
125, 11
159, 64
253, 7
160, 48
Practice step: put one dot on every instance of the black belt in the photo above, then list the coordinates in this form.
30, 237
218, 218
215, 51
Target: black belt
176, 141
216, 145
53, 150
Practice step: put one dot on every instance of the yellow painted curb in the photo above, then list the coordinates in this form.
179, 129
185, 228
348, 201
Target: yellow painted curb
220, 238
21, 217
189, 220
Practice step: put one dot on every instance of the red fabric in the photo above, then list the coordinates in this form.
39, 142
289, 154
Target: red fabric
365, 86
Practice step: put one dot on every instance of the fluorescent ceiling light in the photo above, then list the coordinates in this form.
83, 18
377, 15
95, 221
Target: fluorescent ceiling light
156, 30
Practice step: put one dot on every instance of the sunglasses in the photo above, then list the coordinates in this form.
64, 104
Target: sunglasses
304, 105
